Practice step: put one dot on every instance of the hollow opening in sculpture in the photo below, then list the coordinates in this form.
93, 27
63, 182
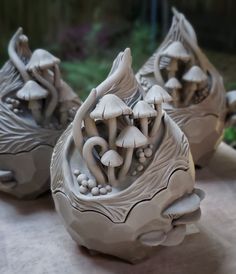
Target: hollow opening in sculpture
116, 135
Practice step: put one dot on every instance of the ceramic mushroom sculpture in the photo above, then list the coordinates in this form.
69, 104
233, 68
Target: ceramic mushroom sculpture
199, 104
124, 168
32, 94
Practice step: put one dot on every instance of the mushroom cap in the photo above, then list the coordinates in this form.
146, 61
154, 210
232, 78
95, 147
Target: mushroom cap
176, 50
31, 91
111, 158
42, 59
173, 83
157, 95
131, 137
195, 74
143, 110
110, 106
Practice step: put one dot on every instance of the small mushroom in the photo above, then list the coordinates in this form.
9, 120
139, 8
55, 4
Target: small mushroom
194, 76
33, 92
157, 95
111, 159
176, 52
109, 108
142, 110
173, 85
130, 137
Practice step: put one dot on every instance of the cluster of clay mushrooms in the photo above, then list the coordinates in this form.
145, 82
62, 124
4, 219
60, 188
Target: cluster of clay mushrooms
109, 155
194, 80
43, 89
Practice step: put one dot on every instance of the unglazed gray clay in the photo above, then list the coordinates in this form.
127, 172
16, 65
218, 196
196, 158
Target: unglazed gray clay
122, 174
35, 107
199, 104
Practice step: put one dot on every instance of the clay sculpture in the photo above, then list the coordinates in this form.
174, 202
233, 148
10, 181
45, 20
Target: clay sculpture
196, 87
35, 106
124, 168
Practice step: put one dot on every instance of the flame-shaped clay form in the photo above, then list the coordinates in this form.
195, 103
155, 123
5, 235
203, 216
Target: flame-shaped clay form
199, 104
122, 173
35, 106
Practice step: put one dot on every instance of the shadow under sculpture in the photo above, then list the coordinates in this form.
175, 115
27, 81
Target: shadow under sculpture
199, 97
122, 174
36, 105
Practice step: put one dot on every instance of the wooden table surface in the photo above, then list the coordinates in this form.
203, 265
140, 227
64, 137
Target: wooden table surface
34, 241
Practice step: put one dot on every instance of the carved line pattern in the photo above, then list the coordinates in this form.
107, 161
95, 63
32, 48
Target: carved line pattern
17, 136
10, 79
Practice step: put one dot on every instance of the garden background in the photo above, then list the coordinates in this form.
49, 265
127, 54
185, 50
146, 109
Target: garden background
88, 34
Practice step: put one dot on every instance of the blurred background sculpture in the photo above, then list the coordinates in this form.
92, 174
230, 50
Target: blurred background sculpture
35, 105
196, 87
124, 168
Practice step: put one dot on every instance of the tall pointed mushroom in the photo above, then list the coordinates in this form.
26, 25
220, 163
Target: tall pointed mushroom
109, 108
33, 92
194, 76
176, 52
173, 85
14, 57
142, 110
112, 159
42, 59
157, 95
130, 137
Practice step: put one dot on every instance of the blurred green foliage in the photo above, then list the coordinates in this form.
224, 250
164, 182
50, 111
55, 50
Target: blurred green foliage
230, 135
87, 73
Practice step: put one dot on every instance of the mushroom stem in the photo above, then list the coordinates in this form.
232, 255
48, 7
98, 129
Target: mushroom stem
90, 127
35, 108
112, 125
175, 97
57, 77
173, 67
54, 96
111, 176
79, 117
89, 157
144, 126
193, 88
157, 120
18, 63
128, 160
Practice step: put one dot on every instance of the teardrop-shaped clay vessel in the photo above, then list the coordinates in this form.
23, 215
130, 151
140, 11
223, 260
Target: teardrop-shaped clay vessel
122, 173
199, 103
36, 105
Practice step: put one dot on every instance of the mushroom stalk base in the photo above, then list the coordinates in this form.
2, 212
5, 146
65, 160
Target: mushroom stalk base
157, 121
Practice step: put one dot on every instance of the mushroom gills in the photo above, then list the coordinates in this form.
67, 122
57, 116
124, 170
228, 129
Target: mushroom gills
7, 179
6, 175
184, 205
188, 218
175, 236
